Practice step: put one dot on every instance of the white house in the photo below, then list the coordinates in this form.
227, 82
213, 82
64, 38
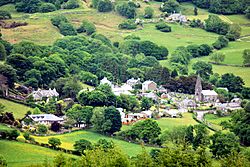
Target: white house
147, 113
40, 94
149, 86
132, 82
106, 81
177, 17
124, 89
150, 95
46, 119
209, 96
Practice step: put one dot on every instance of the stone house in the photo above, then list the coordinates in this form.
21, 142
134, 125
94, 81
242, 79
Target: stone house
149, 86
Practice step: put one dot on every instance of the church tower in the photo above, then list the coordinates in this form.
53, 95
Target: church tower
198, 89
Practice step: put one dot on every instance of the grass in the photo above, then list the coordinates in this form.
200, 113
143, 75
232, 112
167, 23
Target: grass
20, 154
216, 121
4, 127
19, 110
68, 140
171, 123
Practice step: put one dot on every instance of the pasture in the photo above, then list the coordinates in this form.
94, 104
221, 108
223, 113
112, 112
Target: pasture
19, 110
216, 120
68, 140
20, 154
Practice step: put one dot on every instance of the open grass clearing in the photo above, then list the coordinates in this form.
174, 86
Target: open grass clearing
68, 140
20, 154
19, 110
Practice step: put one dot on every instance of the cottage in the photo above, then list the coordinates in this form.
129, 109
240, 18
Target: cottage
150, 95
106, 81
177, 17
147, 114
132, 82
46, 119
209, 96
41, 94
149, 86
161, 89
124, 89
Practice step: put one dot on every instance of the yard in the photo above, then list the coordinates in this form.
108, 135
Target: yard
68, 140
19, 110
20, 154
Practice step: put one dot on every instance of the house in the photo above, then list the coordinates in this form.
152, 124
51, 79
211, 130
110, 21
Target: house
149, 86
45, 119
147, 114
209, 96
106, 81
135, 116
161, 89
132, 82
41, 94
177, 17
124, 89
150, 95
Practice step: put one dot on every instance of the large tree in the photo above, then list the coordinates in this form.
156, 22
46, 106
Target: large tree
227, 80
10, 73
203, 69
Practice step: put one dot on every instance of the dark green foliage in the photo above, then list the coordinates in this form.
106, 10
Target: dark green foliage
223, 144
28, 6
196, 23
199, 50
127, 24
246, 57
54, 142
88, 78
27, 49
82, 145
102, 38
47, 7
146, 103
227, 80
226, 7
9, 72
248, 12
149, 48
170, 6
180, 56
163, 27
58, 19
195, 11
215, 24
42, 129
148, 131
221, 42
67, 29
105, 6
113, 119
4, 15
3, 54
70, 4
203, 69
126, 9
87, 27
234, 32
202, 3
55, 126
148, 12
158, 74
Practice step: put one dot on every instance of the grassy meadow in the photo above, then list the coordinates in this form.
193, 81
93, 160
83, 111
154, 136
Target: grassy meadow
68, 140
19, 110
20, 154
215, 121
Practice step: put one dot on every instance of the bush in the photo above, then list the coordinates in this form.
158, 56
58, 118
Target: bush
163, 27
221, 43
13, 134
67, 29
127, 10
87, 27
54, 142
128, 24
47, 7
3, 162
42, 129
105, 6
26, 135
4, 15
57, 20
149, 12
71, 4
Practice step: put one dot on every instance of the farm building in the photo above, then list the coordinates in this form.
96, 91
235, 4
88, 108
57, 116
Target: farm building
41, 94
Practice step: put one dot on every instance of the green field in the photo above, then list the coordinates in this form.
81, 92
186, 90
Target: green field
23, 154
18, 110
215, 121
4, 127
68, 140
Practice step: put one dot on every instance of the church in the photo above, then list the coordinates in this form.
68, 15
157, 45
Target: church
204, 95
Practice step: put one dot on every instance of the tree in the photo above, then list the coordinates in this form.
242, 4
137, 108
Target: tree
67, 29
148, 12
223, 144
234, 32
54, 142
217, 57
248, 12
27, 49
220, 43
113, 121
47, 7
146, 103
4, 15
58, 19
195, 11
201, 137
26, 135
203, 69
88, 78
227, 80
70, 4
87, 27
170, 6
163, 27
215, 24
3, 54
9, 72
97, 98
42, 129
28, 6
227, 7
105, 6
81, 145
246, 57
126, 10
246, 92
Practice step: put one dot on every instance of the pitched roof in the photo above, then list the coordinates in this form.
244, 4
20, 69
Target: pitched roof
45, 117
209, 93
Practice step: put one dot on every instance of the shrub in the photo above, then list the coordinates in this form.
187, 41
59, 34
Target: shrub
57, 20
67, 29
221, 43
149, 12
71, 4
163, 27
87, 27
95, 3
4, 15
105, 6
54, 142
127, 10
3, 162
47, 7
26, 135
42, 129
170, 6
128, 24
13, 134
